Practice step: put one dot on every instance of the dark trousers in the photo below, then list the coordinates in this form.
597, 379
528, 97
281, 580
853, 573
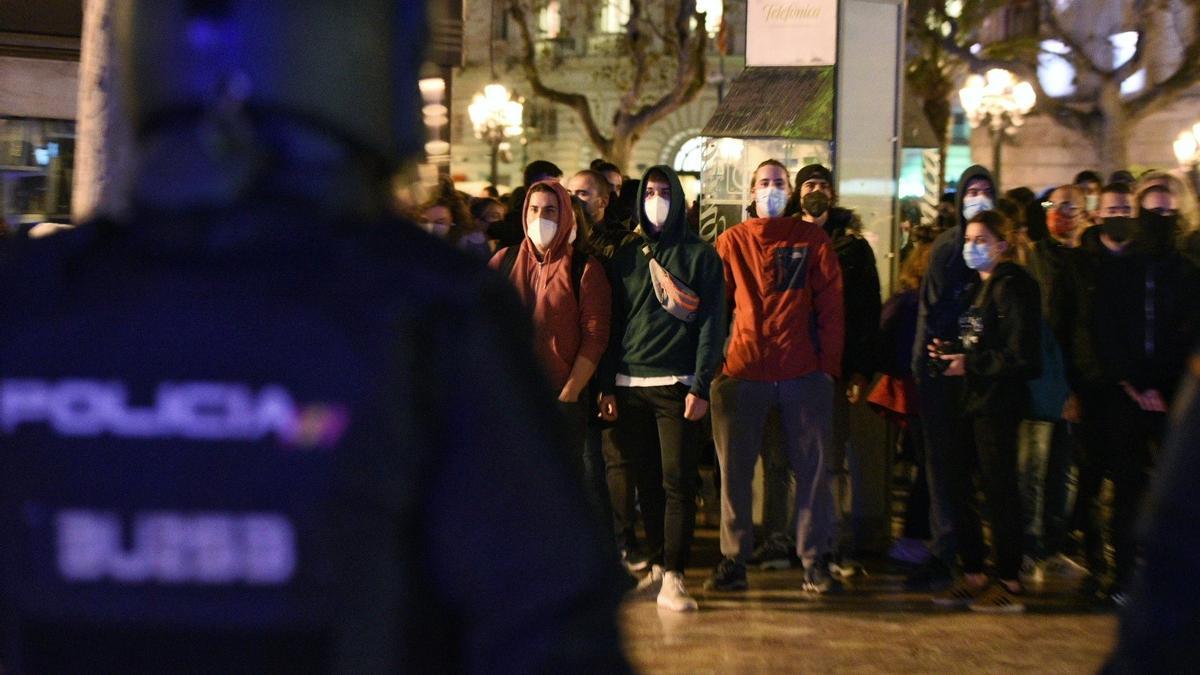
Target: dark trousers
740, 409
662, 448
994, 455
916, 509
1118, 441
942, 422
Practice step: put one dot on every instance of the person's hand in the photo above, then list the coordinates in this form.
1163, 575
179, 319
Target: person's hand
608, 407
1072, 409
1154, 401
694, 408
855, 388
1150, 400
957, 367
568, 394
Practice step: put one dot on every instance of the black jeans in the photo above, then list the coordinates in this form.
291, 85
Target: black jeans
942, 425
916, 510
1118, 443
994, 454
662, 448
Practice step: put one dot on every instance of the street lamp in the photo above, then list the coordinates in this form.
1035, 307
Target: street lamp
1001, 102
495, 117
1187, 151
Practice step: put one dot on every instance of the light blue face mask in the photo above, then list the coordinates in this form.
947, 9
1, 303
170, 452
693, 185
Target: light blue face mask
976, 204
977, 256
770, 202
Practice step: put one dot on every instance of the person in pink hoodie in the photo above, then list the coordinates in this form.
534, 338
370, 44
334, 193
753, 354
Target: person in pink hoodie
570, 298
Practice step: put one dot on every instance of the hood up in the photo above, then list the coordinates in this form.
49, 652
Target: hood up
566, 223
674, 229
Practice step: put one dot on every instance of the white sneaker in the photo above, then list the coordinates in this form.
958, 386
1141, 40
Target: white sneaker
1062, 567
674, 596
652, 582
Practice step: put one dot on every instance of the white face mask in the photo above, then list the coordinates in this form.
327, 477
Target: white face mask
438, 230
1092, 202
769, 202
976, 204
541, 233
657, 209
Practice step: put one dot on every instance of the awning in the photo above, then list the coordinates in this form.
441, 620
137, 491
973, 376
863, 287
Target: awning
777, 103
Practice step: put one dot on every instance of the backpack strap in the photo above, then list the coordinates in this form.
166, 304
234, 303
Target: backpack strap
509, 261
579, 261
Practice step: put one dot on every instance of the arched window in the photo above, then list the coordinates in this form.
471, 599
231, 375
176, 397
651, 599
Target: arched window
690, 156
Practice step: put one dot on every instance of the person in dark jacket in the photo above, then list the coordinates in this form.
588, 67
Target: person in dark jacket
815, 200
1101, 248
299, 435
997, 352
1045, 446
945, 293
1145, 321
1160, 627
667, 337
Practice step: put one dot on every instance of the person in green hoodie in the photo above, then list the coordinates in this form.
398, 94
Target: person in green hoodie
666, 344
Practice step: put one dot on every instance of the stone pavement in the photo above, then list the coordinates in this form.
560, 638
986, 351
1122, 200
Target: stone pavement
872, 626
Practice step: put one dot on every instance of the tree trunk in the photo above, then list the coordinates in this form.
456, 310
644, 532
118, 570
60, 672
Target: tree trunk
938, 112
104, 139
620, 149
1113, 129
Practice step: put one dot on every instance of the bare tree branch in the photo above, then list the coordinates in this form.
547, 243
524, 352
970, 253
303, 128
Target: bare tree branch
690, 71
577, 102
1078, 53
637, 47
1156, 97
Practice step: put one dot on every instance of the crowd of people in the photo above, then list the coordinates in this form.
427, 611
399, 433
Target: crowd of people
1031, 349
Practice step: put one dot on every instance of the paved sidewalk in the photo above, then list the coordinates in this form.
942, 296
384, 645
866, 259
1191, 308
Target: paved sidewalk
873, 626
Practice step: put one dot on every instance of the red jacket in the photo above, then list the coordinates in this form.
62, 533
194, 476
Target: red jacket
564, 328
784, 281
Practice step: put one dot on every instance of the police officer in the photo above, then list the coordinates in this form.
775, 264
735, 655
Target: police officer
254, 427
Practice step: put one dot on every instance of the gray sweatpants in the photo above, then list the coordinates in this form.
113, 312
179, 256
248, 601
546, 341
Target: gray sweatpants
740, 409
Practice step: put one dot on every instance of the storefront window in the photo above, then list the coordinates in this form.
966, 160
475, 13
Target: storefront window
36, 162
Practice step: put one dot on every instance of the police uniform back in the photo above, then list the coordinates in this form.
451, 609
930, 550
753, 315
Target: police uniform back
258, 425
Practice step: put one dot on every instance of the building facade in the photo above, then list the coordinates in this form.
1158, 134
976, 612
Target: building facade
1044, 153
582, 39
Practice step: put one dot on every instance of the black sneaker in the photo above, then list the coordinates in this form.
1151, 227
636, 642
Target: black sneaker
773, 554
817, 579
730, 575
932, 575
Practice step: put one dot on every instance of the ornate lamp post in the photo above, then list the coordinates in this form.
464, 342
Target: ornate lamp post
495, 117
1001, 102
1187, 151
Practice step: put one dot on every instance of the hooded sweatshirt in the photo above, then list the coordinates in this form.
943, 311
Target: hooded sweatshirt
785, 282
647, 341
565, 328
948, 285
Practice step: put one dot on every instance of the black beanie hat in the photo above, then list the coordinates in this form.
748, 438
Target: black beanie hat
814, 171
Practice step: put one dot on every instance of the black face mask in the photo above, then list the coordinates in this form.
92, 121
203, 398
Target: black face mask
1156, 230
815, 204
1118, 228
